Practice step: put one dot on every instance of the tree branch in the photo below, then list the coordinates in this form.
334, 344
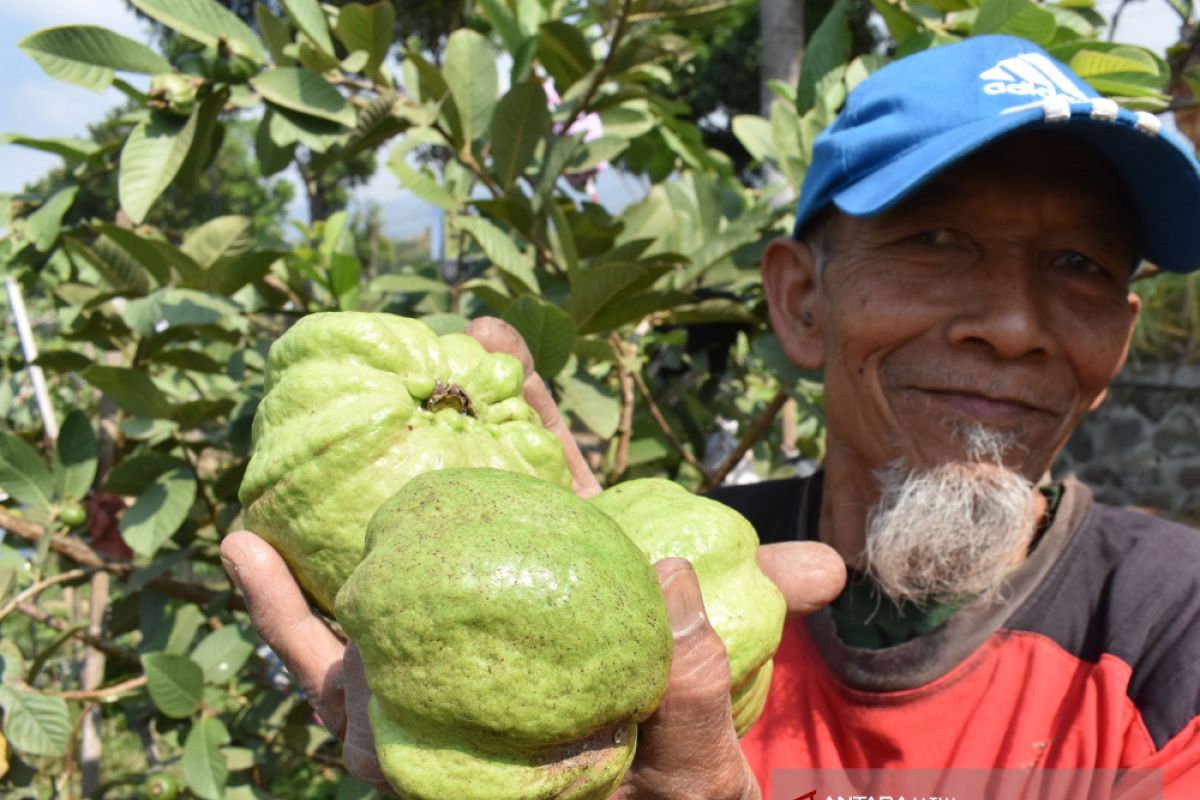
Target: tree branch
666, 429
41, 585
131, 685
81, 553
756, 432
108, 648
626, 428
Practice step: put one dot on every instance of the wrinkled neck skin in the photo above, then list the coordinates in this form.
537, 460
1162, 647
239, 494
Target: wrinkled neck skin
852, 491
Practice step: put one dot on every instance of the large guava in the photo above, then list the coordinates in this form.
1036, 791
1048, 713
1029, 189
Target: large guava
745, 608
512, 637
356, 404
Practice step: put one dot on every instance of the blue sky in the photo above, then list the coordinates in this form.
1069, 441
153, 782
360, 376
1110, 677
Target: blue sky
34, 104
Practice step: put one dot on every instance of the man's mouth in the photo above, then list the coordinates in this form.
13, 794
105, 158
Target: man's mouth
986, 407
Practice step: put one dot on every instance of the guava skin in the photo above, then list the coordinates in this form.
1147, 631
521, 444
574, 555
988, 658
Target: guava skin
512, 637
744, 606
356, 404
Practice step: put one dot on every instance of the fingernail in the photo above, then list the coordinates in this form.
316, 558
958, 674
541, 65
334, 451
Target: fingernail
685, 606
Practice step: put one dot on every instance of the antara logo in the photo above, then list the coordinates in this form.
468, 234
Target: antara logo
1029, 75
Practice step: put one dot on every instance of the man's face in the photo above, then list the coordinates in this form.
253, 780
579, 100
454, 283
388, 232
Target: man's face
998, 295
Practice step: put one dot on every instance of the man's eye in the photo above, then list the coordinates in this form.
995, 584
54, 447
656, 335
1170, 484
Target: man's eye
1079, 263
932, 238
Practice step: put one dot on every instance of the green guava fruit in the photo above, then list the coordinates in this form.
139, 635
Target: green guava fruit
744, 606
356, 404
512, 638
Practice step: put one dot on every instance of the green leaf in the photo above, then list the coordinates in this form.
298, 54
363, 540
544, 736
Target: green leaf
35, 723
635, 309
70, 149
565, 53
44, 224
218, 238
549, 333
307, 92
62, 361
158, 512
157, 257
641, 10
150, 159
222, 653
500, 250
607, 284
175, 683
204, 21
116, 266
368, 29
522, 119
310, 19
23, 472
754, 133
90, 51
177, 308
289, 127
184, 624
431, 87
503, 23
134, 476
230, 274
417, 180
204, 767
75, 457
594, 403
1129, 64
409, 284
470, 72
131, 389
272, 157
276, 33
827, 49
1022, 18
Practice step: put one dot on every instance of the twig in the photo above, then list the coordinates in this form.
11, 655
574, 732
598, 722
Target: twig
100, 695
108, 648
666, 429
626, 428
84, 555
69, 767
756, 432
598, 79
209, 503
41, 585
1116, 19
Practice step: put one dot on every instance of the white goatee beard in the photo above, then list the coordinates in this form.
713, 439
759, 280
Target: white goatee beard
951, 532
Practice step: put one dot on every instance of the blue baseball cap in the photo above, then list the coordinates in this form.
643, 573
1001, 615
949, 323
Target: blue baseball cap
918, 116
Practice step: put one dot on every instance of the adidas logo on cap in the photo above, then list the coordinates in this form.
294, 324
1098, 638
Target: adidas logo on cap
1029, 75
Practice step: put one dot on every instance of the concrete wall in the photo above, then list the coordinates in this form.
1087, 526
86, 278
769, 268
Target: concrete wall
1142, 447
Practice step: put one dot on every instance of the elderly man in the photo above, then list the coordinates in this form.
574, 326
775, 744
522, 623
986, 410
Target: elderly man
960, 272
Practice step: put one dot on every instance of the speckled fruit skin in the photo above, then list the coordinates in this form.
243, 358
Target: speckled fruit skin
356, 404
512, 636
745, 608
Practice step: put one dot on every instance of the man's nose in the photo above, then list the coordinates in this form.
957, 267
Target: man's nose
1003, 312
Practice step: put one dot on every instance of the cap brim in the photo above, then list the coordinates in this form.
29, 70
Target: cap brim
1163, 185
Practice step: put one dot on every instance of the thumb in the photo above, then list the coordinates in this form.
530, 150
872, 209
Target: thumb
809, 574
690, 740
497, 336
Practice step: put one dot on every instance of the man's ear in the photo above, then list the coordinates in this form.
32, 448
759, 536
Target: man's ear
797, 315
1135, 308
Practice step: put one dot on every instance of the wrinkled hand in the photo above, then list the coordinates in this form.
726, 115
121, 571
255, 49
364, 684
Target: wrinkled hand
687, 749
